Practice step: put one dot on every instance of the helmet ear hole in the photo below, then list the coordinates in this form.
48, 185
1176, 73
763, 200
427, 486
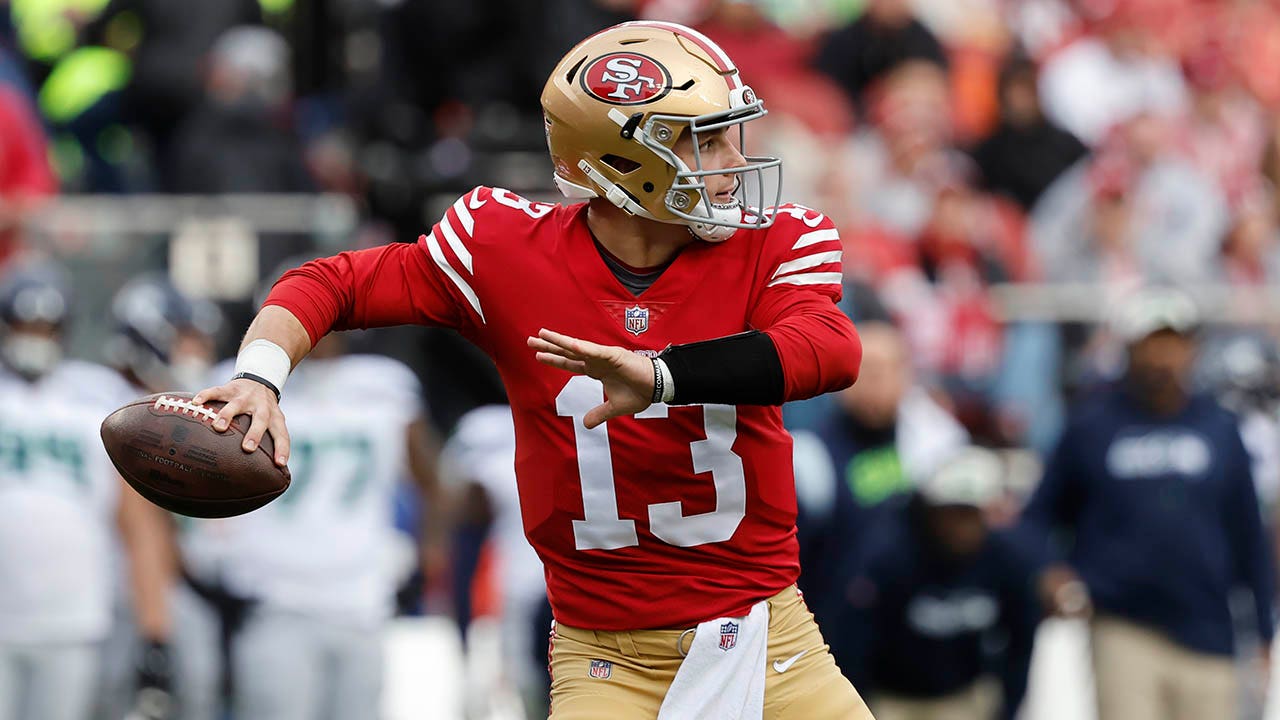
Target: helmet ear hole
573, 71
623, 165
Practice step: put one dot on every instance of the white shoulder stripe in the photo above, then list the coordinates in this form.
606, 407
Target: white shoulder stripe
828, 278
438, 256
817, 236
808, 261
464, 217
455, 242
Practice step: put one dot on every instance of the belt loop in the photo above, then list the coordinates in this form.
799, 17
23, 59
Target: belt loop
626, 644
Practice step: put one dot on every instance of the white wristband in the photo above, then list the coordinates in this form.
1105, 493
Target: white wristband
668, 385
265, 359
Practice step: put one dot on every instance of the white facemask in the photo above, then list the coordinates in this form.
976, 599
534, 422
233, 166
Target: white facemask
725, 215
30, 355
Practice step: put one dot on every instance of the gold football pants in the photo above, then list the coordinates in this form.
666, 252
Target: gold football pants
598, 675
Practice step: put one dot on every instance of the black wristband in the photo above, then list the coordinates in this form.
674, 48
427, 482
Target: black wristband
258, 379
742, 369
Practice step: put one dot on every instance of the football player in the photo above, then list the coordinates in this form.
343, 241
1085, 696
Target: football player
647, 338
320, 566
165, 341
477, 466
61, 503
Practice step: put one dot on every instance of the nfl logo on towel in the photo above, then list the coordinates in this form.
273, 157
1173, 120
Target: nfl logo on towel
637, 319
728, 636
601, 669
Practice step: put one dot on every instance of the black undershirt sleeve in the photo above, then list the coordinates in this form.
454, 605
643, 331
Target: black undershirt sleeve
742, 369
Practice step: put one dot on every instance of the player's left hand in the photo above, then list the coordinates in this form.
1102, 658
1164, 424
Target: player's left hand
627, 376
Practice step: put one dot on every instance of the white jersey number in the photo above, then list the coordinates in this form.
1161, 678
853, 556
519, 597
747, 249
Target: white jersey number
41, 456
345, 459
602, 529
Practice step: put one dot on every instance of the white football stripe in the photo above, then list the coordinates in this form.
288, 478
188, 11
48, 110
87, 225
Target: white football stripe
455, 242
464, 217
438, 256
808, 261
832, 278
817, 236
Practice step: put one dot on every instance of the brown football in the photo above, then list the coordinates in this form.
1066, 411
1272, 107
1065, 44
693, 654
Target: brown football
166, 448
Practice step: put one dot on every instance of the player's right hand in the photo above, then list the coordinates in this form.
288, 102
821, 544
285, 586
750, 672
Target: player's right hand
246, 397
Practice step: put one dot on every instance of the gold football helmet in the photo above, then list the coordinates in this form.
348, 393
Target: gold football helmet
616, 105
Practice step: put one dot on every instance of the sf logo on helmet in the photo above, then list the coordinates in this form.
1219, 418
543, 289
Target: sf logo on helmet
625, 78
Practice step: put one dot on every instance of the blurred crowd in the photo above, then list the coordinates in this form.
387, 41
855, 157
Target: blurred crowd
962, 491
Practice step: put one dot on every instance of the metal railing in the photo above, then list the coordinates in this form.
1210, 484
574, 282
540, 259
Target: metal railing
216, 246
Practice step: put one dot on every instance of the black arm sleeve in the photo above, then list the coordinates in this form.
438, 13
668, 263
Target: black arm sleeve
742, 369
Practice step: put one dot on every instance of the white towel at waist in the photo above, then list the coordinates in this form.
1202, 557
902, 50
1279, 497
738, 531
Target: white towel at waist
722, 677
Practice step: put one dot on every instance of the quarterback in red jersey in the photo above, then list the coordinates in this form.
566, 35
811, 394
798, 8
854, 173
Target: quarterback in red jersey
647, 339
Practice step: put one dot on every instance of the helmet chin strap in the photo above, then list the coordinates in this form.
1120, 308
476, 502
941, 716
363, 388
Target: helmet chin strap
712, 231
709, 232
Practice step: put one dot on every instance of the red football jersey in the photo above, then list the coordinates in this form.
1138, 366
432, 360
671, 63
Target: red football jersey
676, 515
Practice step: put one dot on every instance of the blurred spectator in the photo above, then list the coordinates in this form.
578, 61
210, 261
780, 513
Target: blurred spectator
931, 242
1138, 209
239, 140
235, 141
1243, 371
886, 36
82, 101
880, 439
1042, 26
1226, 128
168, 44
895, 158
938, 583
25, 175
13, 74
1251, 249
1106, 78
1027, 151
1153, 485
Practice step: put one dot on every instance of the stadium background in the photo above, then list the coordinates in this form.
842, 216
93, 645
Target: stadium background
1001, 172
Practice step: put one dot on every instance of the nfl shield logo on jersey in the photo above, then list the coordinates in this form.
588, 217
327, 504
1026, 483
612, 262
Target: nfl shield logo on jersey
728, 636
637, 319
601, 669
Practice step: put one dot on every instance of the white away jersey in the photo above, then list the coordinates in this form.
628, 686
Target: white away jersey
482, 451
327, 545
58, 499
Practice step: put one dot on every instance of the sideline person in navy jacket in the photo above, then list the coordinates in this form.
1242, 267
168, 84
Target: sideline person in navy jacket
942, 605
1151, 484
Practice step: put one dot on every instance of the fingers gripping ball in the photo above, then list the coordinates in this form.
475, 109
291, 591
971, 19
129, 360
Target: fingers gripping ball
165, 447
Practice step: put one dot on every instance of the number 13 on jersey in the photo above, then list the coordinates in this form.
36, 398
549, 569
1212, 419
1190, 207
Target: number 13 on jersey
602, 528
